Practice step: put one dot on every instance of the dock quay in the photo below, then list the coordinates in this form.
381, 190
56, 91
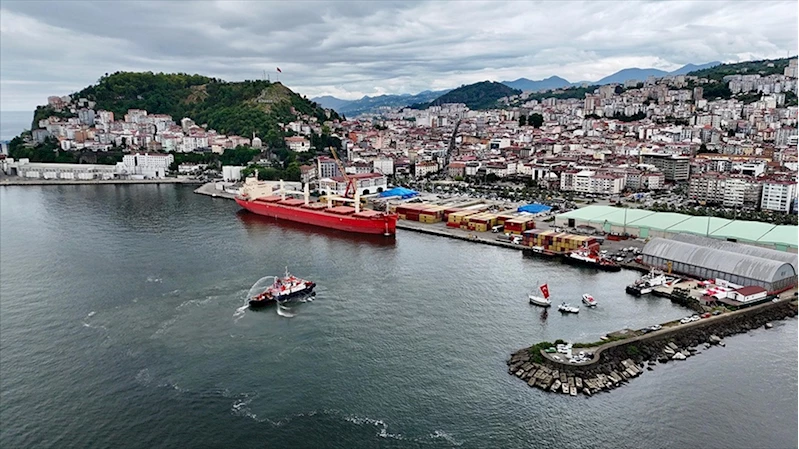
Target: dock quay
617, 362
210, 189
454, 233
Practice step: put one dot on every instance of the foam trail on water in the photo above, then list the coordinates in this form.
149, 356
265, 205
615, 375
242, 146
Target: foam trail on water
239, 312
283, 311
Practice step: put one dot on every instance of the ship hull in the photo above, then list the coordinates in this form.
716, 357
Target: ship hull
383, 225
585, 263
256, 303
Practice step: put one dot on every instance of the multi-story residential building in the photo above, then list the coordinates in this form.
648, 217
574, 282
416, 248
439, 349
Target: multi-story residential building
589, 181
456, 169
423, 168
307, 173
778, 195
728, 190
674, 168
326, 167
383, 165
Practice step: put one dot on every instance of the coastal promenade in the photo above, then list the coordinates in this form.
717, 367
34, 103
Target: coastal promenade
5, 181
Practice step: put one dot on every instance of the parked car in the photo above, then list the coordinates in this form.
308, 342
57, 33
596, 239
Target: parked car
706, 315
656, 327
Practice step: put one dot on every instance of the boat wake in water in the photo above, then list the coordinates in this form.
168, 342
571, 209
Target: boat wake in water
285, 311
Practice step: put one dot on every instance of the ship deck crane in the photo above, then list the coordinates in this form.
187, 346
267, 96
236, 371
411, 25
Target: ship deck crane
351, 184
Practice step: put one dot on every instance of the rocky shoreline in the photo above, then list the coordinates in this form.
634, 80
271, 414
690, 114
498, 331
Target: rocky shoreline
623, 361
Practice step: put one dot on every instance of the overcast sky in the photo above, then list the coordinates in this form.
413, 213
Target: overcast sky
351, 49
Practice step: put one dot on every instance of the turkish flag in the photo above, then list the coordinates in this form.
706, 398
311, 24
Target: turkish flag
545, 290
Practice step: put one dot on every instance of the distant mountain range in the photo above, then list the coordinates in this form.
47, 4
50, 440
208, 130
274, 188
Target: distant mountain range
371, 104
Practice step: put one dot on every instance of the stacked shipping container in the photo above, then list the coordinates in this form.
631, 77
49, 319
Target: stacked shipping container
558, 242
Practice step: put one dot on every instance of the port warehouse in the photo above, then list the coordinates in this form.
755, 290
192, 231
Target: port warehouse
707, 258
647, 224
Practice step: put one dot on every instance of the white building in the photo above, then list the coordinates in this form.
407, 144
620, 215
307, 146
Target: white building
778, 195
384, 165
589, 181
147, 165
231, 173
367, 184
298, 144
424, 167
47, 170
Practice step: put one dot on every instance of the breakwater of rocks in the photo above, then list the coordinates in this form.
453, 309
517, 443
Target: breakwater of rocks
616, 363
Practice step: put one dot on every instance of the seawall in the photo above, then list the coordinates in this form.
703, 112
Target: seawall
75, 182
617, 362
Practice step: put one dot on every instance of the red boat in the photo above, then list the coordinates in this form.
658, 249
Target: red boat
258, 198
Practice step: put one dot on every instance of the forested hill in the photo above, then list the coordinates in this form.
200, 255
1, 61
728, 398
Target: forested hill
483, 95
229, 107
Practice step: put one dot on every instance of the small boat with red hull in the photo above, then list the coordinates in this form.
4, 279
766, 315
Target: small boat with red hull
258, 198
591, 258
283, 289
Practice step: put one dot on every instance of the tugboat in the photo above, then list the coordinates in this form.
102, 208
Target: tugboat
590, 258
283, 289
567, 308
541, 301
589, 300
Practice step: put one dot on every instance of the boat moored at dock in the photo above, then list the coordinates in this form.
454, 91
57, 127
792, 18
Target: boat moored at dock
258, 198
647, 283
591, 258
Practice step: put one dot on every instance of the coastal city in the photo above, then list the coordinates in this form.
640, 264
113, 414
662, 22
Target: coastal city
282, 246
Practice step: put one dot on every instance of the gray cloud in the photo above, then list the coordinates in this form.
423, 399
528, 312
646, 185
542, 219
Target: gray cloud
350, 49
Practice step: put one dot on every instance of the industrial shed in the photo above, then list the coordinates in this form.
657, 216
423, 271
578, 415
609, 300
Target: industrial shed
731, 264
757, 251
648, 224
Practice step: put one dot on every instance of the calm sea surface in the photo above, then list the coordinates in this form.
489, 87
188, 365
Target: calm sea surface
122, 325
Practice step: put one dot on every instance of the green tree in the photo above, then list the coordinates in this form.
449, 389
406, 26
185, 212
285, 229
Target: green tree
522, 120
536, 120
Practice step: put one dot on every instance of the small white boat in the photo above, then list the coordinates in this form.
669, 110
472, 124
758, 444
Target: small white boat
542, 301
567, 308
589, 300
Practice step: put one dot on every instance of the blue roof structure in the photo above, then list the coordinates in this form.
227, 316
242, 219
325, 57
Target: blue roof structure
400, 192
534, 208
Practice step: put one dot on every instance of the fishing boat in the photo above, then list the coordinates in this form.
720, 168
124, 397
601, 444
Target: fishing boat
649, 281
568, 308
591, 258
283, 289
542, 301
589, 300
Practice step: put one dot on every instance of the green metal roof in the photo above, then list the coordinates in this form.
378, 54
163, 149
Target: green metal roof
622, 216
700, 225
749, 231
587, 213
660, 220
720, 228
782, 235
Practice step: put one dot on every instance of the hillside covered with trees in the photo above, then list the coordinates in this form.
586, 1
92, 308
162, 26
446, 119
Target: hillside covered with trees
239, 108
482, 95
763, 68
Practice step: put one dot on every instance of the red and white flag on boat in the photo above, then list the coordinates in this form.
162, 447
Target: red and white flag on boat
545, 290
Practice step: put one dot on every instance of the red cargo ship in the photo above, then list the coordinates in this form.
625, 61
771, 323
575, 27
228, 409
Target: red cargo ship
257, 198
